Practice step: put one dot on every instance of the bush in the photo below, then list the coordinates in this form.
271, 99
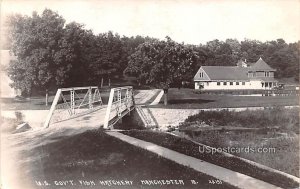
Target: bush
19, 117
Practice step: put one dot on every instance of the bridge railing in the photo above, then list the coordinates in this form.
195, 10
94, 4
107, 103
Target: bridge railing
121, 101
70, 102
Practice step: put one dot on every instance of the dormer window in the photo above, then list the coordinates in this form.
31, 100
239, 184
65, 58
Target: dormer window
201, 74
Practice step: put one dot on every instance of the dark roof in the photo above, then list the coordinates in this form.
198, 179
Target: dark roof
224, 73
234, 72
261, 65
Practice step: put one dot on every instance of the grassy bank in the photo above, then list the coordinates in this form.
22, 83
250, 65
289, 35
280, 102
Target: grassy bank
284, 140
270, 149
286, 119
96, 156
190, 99
187, 147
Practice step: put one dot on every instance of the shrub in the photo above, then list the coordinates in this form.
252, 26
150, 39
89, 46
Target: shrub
19, 117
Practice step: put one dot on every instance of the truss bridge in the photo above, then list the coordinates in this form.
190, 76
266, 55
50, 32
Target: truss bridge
106, 107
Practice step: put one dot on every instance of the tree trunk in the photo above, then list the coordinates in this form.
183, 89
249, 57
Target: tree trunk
109, 82
101, 83
30, 93
166, 97
46, 97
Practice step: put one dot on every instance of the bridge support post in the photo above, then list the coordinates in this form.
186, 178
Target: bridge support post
56, 98
72, 101
108, 109
119, 103
90, 98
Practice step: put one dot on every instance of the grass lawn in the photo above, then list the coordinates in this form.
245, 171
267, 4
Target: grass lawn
187, 147
189, 99
96, 156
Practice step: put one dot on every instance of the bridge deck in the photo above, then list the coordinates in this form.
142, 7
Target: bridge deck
93, 119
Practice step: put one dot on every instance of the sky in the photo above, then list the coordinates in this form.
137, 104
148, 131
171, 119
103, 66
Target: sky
189, 21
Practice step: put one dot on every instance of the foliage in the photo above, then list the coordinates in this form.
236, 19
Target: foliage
51, 53
73, 44
36, 42
19, 117
161, 63
106, 56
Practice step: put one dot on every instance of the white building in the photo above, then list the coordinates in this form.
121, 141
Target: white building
252, 76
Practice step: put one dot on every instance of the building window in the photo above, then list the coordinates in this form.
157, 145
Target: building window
237, 83
231, 83
243, 83
218, 83
201, 86
224, 83
201, 74
267, 74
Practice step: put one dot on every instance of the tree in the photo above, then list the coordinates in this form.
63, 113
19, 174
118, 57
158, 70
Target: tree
75, 49
162, 63
252, 50
107, 57
36, 41
235, 47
